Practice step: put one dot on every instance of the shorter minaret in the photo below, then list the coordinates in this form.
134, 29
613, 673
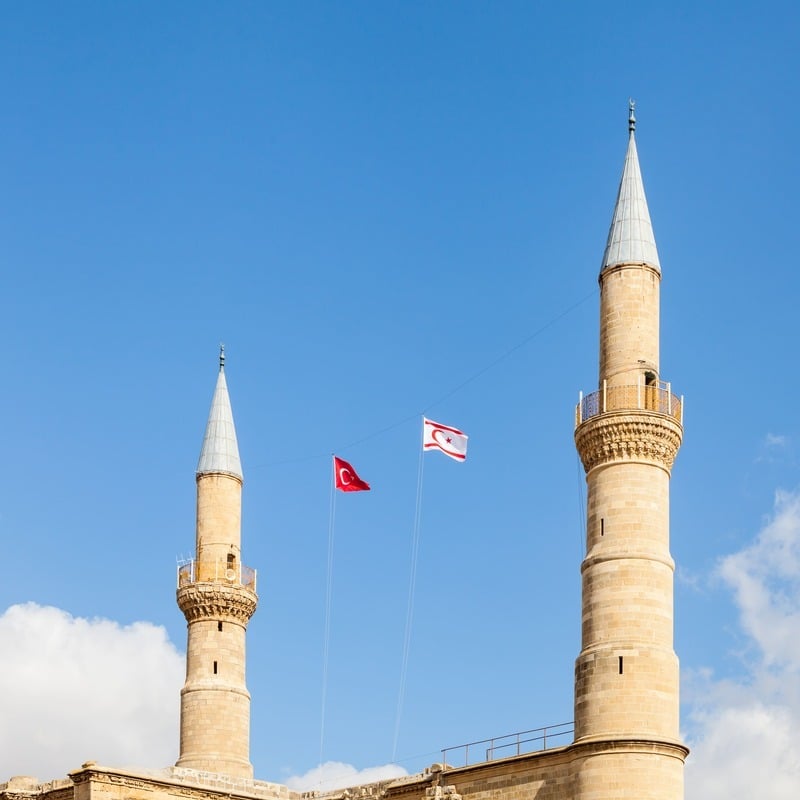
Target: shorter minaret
218, 597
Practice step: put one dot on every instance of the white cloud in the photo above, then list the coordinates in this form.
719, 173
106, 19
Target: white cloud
336, 775
774, 448
743, 733
77, 689
765, 578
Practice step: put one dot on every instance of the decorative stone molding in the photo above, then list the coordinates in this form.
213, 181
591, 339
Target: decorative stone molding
26, 787
217, 601
442, 793
601, 745
219, 782
175, 782
629, 436
9, 795
606, 271
127, 782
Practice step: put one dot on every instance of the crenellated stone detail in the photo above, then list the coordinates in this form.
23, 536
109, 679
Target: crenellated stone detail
217, 601
447, 792
629, 436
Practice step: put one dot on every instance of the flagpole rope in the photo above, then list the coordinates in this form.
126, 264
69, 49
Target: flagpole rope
412, 583
538, 332
328, 602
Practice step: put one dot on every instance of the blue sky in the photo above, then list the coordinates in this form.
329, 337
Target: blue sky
370, 204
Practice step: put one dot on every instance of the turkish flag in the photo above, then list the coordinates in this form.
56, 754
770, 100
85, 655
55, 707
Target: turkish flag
345, 477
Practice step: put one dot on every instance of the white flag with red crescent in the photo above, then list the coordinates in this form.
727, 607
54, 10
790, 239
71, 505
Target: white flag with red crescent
451, 441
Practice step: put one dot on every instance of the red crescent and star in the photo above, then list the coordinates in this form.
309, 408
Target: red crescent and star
437, 434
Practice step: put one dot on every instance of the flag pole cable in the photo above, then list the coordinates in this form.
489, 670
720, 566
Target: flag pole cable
328, 598
502, 357
415, 536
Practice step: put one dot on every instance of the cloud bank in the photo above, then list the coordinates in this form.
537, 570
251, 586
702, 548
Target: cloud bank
744, 732
77, 689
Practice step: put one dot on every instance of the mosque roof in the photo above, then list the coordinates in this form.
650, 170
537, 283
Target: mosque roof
630, 238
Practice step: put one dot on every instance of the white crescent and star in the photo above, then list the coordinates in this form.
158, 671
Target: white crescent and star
342, 472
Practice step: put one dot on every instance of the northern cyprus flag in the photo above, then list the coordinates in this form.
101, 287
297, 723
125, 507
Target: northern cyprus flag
451, 441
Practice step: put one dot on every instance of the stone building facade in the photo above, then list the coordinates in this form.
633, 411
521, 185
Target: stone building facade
626, 738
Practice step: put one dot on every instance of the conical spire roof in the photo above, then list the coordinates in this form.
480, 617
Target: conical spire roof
220, 451
630, 238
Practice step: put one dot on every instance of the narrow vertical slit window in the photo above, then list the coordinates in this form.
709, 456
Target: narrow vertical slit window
620, 666
602, 527
219, 626
215, 667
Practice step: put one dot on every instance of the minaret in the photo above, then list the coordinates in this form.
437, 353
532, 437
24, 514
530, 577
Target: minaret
628, 434
217, 596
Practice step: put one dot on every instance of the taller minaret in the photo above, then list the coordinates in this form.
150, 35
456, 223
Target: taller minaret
217, 595
628, 433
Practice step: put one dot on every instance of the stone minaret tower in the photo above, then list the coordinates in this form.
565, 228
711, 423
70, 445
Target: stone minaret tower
217, 596
628, 434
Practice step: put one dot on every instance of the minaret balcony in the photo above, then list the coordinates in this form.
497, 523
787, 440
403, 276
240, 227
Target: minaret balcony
218, 571
656, 398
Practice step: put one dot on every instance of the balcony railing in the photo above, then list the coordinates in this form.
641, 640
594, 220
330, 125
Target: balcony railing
512, 744
217, 571
656, 397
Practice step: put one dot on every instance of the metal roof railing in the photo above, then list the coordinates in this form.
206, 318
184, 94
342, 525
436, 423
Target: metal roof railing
511, 744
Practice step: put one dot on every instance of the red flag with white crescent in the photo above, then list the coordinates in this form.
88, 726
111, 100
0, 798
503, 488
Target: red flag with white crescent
345, 477
451, 441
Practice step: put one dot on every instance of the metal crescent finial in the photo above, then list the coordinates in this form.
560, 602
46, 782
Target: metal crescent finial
221, 356
631, 115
